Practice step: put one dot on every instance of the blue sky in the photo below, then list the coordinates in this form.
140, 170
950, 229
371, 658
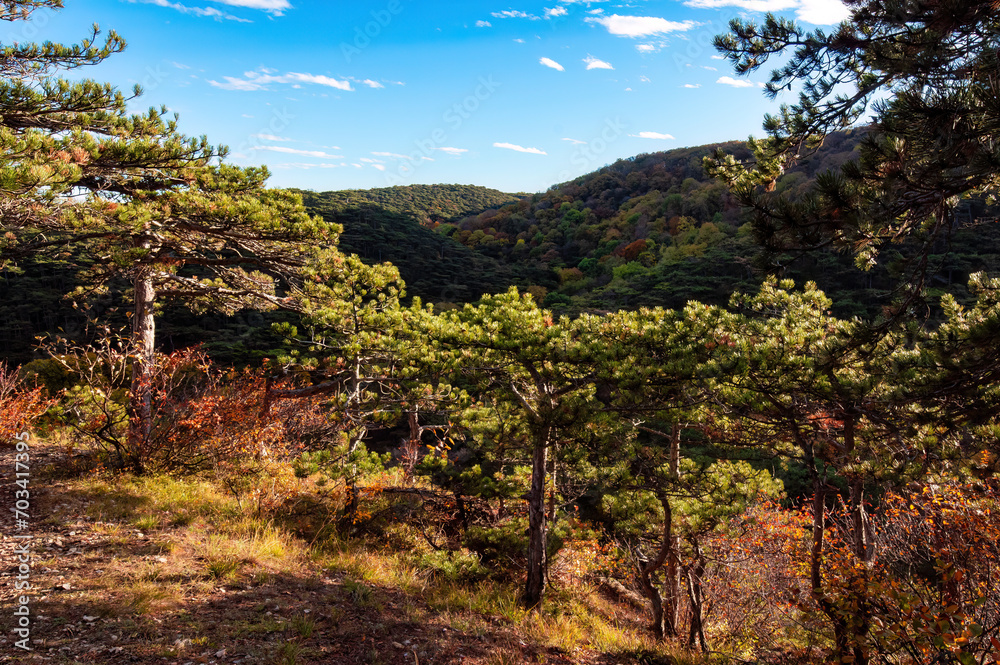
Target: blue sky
513, 94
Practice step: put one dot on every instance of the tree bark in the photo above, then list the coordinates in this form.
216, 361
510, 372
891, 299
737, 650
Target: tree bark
664, 622
534, 587
140, 398
672, 583
697, 599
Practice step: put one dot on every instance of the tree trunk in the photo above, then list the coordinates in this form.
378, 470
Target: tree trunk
534, 588
140, 398
664, 622
672, 583
697, 600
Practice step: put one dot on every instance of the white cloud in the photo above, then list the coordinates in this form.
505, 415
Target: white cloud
641, 26
519, 40
483, 24
575, 141
379, 167
818, 12
692, 85
736, 83
595, 11
711, 69
303, 165
822, 12
294, 151
452, 151
397, 156
276, 7
369, 160
549, 62
511, 146
260, 79
644, 79
372, 84
555, 11
270, 137
514, 13
718, 57
210, 12
594, 63
179, 65
646, 48
652, 135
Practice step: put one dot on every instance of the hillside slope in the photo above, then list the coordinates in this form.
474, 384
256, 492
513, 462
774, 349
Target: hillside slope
655, 230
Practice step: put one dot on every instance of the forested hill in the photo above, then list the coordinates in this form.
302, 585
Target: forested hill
655, 230
393, 225
428, 204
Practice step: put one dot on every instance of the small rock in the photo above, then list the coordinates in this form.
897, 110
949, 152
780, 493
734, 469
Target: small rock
89, 619
398, 645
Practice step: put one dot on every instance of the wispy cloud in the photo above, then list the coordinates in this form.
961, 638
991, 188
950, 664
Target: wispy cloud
514, 13
372, 84
594, 63
483, 24
270, 137
306, 166
409, 158
260, 79
452, 151
555, 11
575, 141
518, 148
817, 12
736, 83
549, 62
276, 7
209, 12
295, 151
640, 26
652, 135
692, 85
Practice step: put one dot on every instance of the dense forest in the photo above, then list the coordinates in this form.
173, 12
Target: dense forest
727, 404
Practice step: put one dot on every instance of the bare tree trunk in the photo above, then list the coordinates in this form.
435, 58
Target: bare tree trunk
534, 588
672, 583
664, 623
697, 599
140, 398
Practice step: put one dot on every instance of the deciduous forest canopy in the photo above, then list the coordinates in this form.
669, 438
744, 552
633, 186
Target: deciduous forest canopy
752, 388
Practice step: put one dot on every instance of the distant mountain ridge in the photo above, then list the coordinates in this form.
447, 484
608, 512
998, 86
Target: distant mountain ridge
428, 204
648, 230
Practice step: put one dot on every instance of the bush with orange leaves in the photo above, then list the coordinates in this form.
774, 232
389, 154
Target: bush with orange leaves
19, 406
204, 418
927, 590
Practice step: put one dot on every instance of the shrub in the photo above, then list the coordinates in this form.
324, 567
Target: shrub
19, 406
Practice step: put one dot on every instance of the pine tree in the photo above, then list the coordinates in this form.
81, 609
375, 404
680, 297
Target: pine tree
143, 202
924, 79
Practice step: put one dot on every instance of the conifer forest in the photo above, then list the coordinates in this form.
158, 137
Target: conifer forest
734, 403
